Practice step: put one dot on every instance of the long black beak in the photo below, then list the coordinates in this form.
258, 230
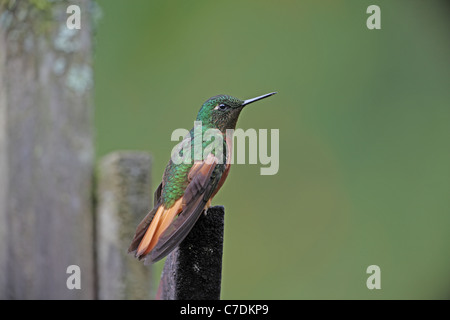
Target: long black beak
246, 102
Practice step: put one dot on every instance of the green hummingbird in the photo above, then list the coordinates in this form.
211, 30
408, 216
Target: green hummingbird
187, 188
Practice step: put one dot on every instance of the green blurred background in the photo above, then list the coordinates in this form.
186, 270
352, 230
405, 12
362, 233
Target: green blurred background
363, 115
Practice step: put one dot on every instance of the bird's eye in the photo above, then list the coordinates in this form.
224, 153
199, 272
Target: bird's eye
222, 107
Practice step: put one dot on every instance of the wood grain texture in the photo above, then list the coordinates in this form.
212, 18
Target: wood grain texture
123, 197
46, 151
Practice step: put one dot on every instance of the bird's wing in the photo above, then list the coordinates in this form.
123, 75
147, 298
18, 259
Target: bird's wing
157, 194
204, 177
161, 230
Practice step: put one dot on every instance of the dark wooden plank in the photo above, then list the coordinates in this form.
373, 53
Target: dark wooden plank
193, 271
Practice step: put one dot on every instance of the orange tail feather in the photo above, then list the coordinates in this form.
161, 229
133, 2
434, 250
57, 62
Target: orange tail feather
163, 218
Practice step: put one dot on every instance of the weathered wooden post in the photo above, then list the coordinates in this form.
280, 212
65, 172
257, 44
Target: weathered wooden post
46, 151
46, 176
123, 198
193, 271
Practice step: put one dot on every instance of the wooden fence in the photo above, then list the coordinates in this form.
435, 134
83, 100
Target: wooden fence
64, 230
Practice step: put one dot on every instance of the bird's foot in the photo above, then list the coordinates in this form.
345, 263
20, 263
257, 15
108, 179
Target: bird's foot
207, 206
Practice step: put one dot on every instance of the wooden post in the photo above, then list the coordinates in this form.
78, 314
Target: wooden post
123, 199
193, 271
46, 152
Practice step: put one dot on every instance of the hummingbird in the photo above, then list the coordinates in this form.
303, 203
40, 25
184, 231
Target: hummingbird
187, 188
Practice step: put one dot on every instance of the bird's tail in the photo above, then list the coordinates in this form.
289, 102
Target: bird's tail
152, 227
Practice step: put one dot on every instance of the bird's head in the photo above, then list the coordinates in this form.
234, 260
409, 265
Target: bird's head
222, 111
